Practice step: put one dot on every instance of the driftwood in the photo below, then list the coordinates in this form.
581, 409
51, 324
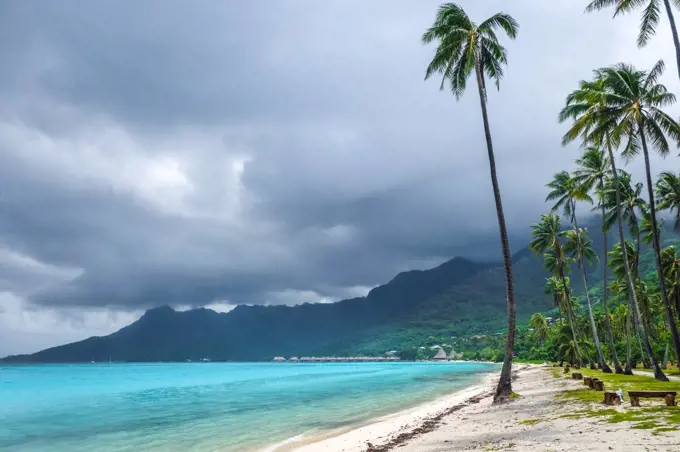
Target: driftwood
668, 396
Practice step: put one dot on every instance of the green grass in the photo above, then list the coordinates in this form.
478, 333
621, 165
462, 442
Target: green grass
530, 421
659, 418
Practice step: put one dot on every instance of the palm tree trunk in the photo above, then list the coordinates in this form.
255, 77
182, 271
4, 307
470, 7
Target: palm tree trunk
607, 322
670, 319
598, 348
658, 374
504, 389
570, 317
629, 347
674, 31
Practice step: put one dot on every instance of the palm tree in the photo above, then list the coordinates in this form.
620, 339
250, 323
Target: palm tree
621, 264
558, 289
545, 239
651, 14
579, 247
668, 193
463, 48
540, 325
634, 107
670, 261
593, 108
592, 173
633, 206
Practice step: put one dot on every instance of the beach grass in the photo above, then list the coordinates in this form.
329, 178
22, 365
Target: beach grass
659, 418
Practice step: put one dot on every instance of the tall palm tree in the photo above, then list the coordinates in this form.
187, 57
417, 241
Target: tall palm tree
668, 193
579, 247
566, 190
635, 108
633, 206
540, 325
621, 263
670, 261
463, 48
545, 239
591, 108
556, 287
651, 14
592, 173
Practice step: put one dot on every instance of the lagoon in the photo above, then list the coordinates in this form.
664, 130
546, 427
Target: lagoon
207, 406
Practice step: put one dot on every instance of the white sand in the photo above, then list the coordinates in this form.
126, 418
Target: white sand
482, 426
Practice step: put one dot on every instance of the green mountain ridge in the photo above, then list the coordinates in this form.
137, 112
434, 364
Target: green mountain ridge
455, 299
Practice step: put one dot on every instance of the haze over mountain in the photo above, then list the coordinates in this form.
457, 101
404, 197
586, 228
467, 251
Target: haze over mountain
163, 154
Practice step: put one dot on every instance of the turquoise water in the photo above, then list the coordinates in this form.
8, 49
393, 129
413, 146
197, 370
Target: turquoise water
207, 406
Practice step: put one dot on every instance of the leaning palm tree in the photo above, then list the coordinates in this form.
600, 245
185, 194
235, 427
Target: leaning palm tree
579, 247
540, 325
651, 14
592, 173
668, 193
463, 48
593, 110
635, 107
545, 239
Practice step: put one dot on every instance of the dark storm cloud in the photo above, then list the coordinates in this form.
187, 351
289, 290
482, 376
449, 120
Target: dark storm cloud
165, 152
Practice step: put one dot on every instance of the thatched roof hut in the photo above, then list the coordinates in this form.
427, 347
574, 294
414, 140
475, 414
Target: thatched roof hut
440, 356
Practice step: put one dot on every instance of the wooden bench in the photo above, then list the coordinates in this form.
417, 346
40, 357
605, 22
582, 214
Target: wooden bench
598, 385
577, 376
611, 398
635, 396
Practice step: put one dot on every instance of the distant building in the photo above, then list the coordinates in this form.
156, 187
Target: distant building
440, 356
294, 359
279, 358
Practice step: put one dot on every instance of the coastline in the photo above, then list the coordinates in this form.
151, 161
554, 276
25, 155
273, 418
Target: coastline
357, 438
547, 416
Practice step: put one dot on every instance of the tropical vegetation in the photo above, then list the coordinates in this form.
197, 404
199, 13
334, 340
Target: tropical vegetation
617, 115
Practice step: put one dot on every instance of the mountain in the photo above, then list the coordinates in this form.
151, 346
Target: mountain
457, 297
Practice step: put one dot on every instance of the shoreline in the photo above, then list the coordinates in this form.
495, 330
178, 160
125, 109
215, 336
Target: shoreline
359, 437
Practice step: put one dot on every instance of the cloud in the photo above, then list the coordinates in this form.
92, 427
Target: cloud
238, 154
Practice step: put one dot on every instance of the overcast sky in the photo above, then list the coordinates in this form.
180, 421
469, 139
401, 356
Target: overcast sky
217, 153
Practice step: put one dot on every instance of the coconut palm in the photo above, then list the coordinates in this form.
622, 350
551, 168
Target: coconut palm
463, 48
597, 120
670, 261
579, 247
545, 239
651, 14
540, 325
633, 206
558, 289
593, 171
565, 191
634, 106
668, 193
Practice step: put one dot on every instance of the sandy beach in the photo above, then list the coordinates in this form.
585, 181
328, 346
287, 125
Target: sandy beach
467, 420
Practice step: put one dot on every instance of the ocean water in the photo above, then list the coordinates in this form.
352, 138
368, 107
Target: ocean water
206, 406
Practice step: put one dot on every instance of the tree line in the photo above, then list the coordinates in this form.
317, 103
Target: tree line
618, 114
